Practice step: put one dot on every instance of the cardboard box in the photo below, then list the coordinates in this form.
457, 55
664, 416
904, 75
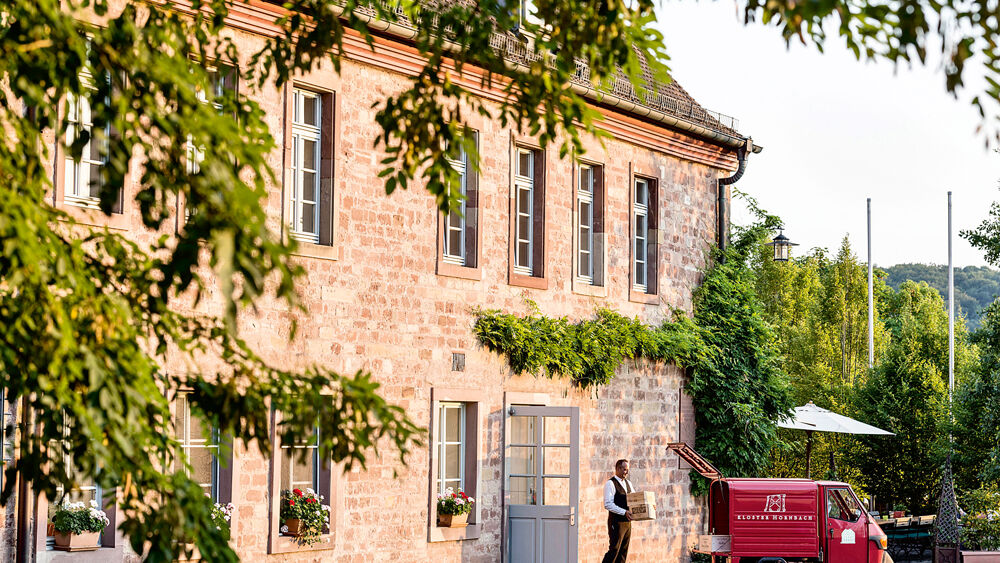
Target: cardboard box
642, 505
715, 543
642, 511
645, 497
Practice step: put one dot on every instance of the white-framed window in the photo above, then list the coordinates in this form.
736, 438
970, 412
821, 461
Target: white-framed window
528, 13
217, 84
6, 433
455, 225
307, 117
298, 472
200, 444
524, 188
451, 444
585, 211
640, 236
83, 177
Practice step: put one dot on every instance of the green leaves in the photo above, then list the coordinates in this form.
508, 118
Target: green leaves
588, 352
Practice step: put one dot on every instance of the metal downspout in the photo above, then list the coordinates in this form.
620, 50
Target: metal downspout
742, 154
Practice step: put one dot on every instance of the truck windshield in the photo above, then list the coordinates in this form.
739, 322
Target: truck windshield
840, 505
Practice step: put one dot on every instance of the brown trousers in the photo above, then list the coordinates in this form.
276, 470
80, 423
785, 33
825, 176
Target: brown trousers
619, 534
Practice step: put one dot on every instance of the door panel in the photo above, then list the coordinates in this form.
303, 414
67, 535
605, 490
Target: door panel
541, 485
846, 531
555, 540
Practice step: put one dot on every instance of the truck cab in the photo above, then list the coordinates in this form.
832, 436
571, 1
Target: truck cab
785, 520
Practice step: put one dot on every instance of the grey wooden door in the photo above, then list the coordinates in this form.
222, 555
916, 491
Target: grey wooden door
542, 484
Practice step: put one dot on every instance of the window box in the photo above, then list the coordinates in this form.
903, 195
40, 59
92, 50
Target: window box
453, 520
85, 541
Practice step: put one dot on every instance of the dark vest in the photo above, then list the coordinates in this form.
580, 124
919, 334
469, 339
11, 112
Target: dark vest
620, 501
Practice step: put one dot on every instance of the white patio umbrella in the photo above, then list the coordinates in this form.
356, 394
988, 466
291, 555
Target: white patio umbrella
815, 419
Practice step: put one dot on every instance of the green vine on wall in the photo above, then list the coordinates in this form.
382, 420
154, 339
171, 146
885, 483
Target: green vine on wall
737, 384
589, 352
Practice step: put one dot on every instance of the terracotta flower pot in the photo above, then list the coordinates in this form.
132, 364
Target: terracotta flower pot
295, 527
981, 556
453, 520
899, 514
87, 541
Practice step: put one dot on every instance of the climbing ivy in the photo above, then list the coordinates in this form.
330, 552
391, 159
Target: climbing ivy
589, 351
730, 351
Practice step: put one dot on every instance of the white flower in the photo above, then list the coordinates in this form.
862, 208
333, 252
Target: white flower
93, 503
310, 491
471, 500
284, 529
459, 501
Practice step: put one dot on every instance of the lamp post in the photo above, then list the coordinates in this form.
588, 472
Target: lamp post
782, 246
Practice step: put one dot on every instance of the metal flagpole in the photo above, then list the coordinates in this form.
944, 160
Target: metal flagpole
951, 311
871, 296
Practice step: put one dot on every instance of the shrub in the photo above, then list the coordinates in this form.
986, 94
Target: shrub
222, 514
981, 524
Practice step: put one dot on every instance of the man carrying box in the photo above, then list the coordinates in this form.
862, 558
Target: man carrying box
619, 518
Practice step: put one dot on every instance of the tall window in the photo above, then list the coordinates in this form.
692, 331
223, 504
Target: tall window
306, 142
455, 226
524, 186
220, 79
200, 444
83, 177
298, 472
640, 236
451, 441
585, 204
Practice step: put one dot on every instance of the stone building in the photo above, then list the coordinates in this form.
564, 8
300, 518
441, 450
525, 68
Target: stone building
390, 288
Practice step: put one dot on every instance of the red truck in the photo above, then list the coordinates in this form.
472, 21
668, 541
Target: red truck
785, 520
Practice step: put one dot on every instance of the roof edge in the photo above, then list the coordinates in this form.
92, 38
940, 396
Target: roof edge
590, 92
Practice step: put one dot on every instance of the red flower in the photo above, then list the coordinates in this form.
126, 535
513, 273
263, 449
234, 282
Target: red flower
297, 492
310, 500
291, 502
464, 495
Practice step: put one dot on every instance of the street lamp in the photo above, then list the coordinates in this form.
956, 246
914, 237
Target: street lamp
781, 246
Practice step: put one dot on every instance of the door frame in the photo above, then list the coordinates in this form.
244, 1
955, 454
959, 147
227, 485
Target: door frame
513, 401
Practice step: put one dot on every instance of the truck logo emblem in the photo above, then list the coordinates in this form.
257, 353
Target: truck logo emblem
775, 503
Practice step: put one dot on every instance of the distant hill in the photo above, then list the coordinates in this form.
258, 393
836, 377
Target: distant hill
975, 286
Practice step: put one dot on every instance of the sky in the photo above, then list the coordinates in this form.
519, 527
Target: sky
836, 131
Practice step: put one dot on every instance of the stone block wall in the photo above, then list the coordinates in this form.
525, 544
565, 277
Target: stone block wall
378, 304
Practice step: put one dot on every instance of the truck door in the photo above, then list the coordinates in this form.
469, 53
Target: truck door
846, 530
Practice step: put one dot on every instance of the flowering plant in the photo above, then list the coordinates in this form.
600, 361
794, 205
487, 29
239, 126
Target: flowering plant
451, 502
222, 514
78, 518
981, 525
308, 508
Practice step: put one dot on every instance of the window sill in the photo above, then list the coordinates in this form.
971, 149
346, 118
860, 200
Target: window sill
470, 532
289, 544
581, 287
99, 555
319, 251
456, 271
532, 282
637, 296
95, 217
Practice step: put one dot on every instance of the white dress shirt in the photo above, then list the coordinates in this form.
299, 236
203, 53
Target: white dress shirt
609, 495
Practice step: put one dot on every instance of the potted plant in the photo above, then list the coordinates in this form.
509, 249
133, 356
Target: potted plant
980, 530
77, 526
303, 515
453, 508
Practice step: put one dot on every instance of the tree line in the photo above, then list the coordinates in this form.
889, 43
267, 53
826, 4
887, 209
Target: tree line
817, 305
